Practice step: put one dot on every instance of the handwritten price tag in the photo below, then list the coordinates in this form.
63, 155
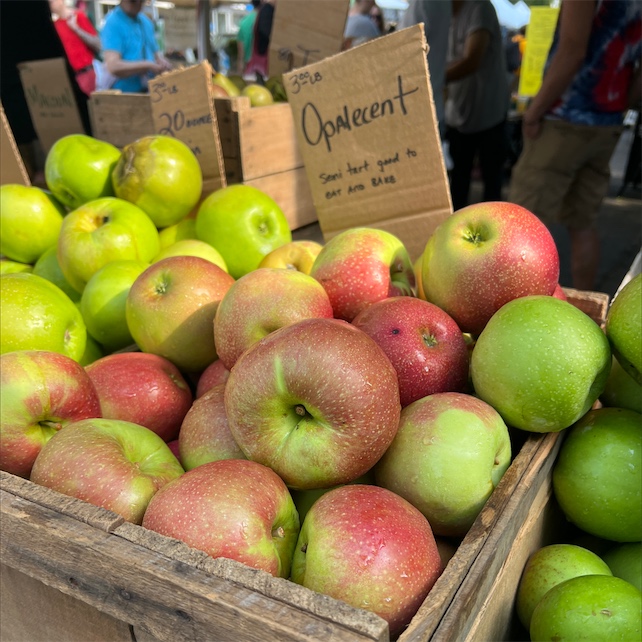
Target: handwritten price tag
182, 107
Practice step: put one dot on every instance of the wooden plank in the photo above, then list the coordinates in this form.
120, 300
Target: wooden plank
120, 118
228, 123
595, 304
167, 598
267, 141
291, 191
31, 611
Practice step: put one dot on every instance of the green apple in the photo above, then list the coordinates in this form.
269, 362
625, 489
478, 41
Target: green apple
11, 267
161, 175
541, 363
93, 352
30, 222
48, 267
37, 315
78, 169
103, 303
244, 224
550, 566
622, 390
192, 247
258, 95
185, 229
101, 231
589, 608
597, 477
625, 561
624, 327
225, 83
296, 255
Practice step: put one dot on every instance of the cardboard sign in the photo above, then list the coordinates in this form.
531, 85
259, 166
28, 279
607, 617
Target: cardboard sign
180, 27
300, 38
539, 36
50, 99
183, 106
12, 167
367, 130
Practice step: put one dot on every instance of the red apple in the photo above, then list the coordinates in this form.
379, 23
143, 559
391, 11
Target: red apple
559, 293
370, 548
205, 433
231, 508
110, 463
171, 306
361, 266
484, 256
214, 374
41, 392
424, 344
317, 401
262, 301
142, 388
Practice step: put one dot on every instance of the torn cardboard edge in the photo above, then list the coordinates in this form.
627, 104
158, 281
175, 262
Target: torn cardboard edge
12, 166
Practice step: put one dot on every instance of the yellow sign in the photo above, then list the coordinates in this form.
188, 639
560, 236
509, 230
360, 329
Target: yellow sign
539, 36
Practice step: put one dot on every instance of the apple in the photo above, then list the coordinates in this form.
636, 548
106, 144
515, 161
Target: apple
230, 508
12, 267
559, 293
625, 561
170, 310
261, 302
37, 315
589, 477
449, 454
549, 566
103, 301
30, 222
219, 92
621, 390
296, 255
418, 269
48, 267
114, 464
41, 392
143, 389
484, 256
317, 401
101, 231
424, 344
624, 327
185, 229
541, 363
78, 169
244, 224
370, 548
161, 175
591, 608
258, 94
205, 433
221, 80
360, 266
214, 374
93, 352
192, 247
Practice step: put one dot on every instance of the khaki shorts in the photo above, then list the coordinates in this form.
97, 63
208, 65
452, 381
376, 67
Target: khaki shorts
563, 175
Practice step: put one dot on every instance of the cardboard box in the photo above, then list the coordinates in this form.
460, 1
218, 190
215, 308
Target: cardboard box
12, 167
260, 149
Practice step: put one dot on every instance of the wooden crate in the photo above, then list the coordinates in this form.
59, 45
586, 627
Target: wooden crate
260, 149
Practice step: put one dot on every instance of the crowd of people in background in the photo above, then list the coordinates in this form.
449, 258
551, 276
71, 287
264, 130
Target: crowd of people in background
568, 132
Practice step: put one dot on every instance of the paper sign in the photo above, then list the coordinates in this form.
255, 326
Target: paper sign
183, 106
539, 36
12, 167
367, 130
301, 37
180, 27
50, 99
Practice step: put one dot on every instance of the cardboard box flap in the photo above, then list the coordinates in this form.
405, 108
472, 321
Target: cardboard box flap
367, 130
12, 167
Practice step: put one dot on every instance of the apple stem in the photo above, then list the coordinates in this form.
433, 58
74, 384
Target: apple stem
300, 410
279, 532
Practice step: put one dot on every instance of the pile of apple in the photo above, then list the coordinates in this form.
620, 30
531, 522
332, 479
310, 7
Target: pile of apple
260, 95
328, 414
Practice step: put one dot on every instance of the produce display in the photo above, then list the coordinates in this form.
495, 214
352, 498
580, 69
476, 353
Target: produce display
330, 414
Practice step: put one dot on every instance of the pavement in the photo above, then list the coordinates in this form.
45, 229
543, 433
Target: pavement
619, 225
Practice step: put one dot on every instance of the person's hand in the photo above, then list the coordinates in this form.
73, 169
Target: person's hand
72, 21
165, 64
531, 125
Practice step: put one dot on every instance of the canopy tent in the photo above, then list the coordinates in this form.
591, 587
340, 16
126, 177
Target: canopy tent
512, 16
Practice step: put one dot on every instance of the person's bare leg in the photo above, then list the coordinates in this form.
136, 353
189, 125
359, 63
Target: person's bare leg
585, 257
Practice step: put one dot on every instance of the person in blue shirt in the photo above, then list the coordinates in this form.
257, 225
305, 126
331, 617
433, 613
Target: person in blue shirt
130, 52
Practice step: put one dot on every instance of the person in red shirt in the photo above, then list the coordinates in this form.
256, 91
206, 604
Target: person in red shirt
80, 41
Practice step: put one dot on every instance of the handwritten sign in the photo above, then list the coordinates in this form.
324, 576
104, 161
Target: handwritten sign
300, 37
539, 36
367, 130
50, 99
180, 27
12, 167
183, 107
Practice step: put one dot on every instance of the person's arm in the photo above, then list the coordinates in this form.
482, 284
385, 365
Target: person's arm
474, 48
576, 20
81, 26
165, 64
125, 68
